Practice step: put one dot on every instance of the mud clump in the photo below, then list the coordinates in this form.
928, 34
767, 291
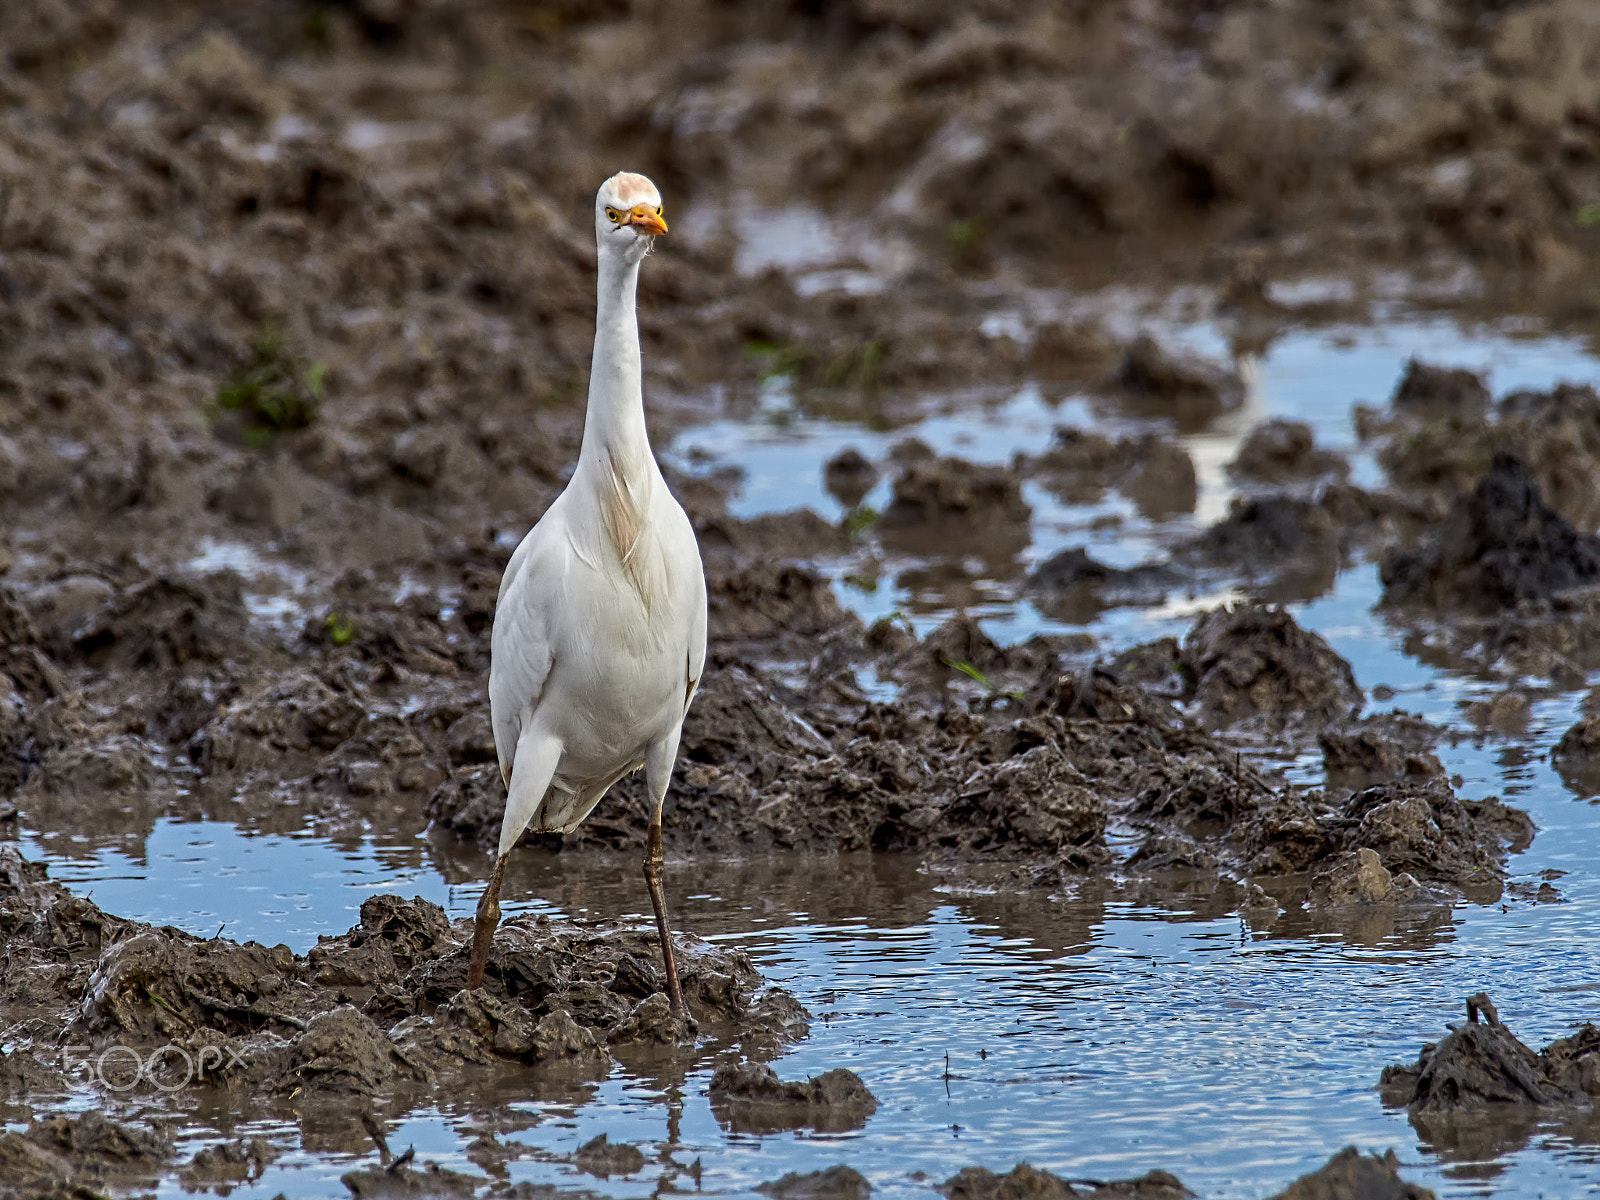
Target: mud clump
610, 983
603, 1158
1500, 545
1070, 585
400, 1179
228, 1165
1280, 450
938, 500
1185, 387
1361, 756
1161, 481
751, 1098
85, 1154
1577, 756
1255, 667
1359, 877
1352, 1175
1482, 1064
23, 660
1440, 439
168, 983
1430, 389
1285, 546
1079, 465
165, 622
1417, 829
980, 1183
849, 476
771, 606
378, 1012
833, 1183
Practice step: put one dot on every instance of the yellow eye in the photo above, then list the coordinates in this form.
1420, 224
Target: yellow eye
613, 214
658, 210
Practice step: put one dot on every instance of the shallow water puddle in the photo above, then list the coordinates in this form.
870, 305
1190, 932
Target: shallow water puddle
1100, 1033
264, 886
1316, 376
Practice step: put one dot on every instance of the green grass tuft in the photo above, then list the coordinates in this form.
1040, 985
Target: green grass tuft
858, 519
341, 629
274, 392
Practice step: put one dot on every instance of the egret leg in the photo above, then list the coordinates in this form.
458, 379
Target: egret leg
658, 761
652, 879
488, 918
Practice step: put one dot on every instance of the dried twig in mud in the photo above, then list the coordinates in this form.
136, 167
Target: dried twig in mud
246, 1010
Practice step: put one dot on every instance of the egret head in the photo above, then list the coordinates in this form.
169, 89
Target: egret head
627, 215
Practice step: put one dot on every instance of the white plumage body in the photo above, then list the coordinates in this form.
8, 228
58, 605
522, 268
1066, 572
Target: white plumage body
595, 656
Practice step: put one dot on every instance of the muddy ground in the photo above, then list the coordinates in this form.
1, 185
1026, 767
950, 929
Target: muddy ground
295, 312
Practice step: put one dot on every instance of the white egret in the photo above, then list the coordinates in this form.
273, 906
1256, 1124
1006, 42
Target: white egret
600, 629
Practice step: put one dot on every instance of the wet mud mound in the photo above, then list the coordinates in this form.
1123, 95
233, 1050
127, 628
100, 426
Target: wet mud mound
1255, 668
1284, 547
1038, 776
849, 476
1191, 390
1435, 391
1380, 749
1284, 451
1080, 466
77, 1156
1503, 583
1481, 1093
1348, 1175
942, 502
1576, 755
832, 1183
1072, 586
1442, 434
1351, 1175
1501, 545
379, 1012
750, 1098
980, 1183
1482, 1064
1378, 844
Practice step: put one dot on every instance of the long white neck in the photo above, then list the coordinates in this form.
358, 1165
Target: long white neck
614, 435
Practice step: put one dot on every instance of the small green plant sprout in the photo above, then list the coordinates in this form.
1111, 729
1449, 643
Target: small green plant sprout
967, 669
341, 629
777, 361
856, 367
866, 585
317, 27
977, 676
1589, 215
965, 237
273, 392
858, 519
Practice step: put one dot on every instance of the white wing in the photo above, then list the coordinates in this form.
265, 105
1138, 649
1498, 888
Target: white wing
697, 640
520, 648
682, 547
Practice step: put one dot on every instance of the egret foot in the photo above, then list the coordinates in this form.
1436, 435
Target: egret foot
483, 930
652, 879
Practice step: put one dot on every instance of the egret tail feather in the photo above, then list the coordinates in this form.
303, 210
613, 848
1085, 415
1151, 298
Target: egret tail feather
538, 754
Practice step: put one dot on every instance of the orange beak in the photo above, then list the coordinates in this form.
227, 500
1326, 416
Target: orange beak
647, 219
